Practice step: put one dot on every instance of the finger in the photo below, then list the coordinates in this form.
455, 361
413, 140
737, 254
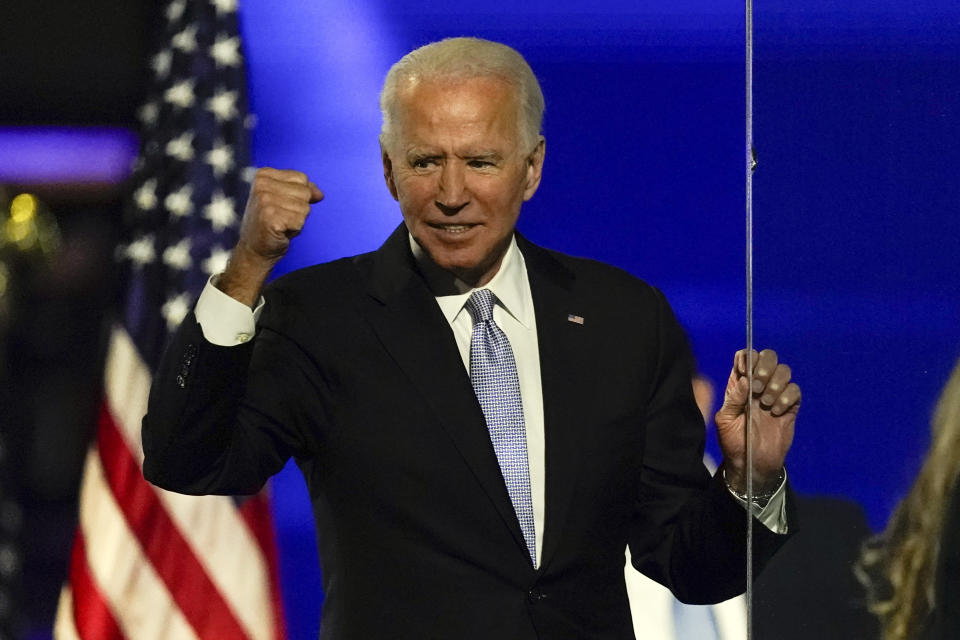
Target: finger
766, 365
775, 386
286, 223
268, 184
734, 398
788, 401
315, 194
283, 175
274, 201
741, 361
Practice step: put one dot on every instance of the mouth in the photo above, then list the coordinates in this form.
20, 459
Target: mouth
452, 228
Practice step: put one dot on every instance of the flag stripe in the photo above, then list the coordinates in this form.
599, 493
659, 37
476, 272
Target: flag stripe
65, 628
211, 525
127, 387
90, 615
256, 513
165, 547
118, 567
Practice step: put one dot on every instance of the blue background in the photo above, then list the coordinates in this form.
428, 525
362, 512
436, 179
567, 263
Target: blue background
855, 196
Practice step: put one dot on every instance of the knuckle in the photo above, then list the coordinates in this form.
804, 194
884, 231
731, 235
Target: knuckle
295, 176
260, 183
268, 211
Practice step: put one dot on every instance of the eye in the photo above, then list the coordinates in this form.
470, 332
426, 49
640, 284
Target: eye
423, 163
480, 164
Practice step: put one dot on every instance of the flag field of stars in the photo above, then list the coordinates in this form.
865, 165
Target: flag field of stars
192, 176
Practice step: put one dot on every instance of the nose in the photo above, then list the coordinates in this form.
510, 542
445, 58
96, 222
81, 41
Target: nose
452, 189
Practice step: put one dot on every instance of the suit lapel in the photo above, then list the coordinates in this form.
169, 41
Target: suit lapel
563, 363
414, 331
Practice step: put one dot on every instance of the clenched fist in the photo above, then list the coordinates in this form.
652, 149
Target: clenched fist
276, 210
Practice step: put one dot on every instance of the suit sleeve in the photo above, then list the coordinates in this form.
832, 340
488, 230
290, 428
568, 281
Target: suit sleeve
222, 420
688, 532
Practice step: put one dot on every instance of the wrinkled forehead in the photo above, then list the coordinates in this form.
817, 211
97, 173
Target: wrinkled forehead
425, 101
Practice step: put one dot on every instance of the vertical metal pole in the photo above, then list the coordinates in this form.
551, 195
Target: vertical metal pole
750, 164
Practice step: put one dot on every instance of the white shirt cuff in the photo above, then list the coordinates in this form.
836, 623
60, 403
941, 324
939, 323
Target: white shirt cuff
774, 515
224, 321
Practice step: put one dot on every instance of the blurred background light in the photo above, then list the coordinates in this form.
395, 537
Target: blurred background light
38, 155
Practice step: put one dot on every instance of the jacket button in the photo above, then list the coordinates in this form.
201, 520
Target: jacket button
535, 595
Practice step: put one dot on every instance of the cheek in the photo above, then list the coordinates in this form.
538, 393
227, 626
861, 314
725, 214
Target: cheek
415, 191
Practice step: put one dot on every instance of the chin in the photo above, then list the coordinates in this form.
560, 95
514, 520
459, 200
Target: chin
466, 267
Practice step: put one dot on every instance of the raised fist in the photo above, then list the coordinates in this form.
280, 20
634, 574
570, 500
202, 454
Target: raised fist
278, 206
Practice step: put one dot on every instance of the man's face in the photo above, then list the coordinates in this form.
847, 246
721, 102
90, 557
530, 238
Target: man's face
458, 168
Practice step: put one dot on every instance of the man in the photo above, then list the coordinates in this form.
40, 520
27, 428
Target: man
483, 425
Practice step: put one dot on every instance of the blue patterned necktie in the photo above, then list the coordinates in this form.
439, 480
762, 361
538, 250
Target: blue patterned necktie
493, 373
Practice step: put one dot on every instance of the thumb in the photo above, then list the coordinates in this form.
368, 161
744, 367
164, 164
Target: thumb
315, 194
734, 397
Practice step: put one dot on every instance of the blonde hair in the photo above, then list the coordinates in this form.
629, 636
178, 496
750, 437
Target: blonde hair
899, 566
463, 58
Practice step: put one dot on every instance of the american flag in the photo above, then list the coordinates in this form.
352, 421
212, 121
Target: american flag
147, 563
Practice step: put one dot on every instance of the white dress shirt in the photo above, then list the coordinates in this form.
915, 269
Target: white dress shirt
514, 314
228, 322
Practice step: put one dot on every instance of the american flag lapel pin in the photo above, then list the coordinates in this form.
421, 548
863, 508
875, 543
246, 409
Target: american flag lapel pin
574, 318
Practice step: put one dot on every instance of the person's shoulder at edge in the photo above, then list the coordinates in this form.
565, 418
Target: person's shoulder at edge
594, 277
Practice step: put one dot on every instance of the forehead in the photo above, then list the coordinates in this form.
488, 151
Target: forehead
479, 105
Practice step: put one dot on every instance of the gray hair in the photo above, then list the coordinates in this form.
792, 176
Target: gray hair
462, 58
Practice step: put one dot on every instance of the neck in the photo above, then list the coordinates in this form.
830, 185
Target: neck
443, 282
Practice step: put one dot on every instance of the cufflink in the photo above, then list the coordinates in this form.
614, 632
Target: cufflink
185, 363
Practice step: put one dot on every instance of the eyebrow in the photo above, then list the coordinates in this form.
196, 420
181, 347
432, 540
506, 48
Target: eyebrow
420, 153
482, 155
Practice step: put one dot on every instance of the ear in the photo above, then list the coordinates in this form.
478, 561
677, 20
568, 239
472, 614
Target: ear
534, 169
388, 172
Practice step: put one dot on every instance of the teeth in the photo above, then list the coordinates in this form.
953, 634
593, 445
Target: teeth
454, 228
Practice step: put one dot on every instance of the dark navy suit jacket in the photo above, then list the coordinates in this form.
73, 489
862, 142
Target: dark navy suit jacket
356, 374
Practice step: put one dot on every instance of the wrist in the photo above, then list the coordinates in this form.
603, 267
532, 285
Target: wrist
763, 488
244, 276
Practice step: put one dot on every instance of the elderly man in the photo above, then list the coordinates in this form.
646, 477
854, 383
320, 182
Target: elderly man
484, 425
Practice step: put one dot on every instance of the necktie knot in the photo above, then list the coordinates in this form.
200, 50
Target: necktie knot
480, 305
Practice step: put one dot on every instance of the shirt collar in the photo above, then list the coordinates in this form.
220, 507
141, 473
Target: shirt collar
508, 285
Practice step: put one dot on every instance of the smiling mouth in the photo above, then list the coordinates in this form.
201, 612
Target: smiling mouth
452, 228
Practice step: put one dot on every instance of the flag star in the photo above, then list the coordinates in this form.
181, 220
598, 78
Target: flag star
220, 157
146, 195
217, 262
223, 105
220, 212
180, 94
224, 6
175, 10
161, 63
250, 122
177, 255
186, 40
180, 202
148, 113
141, 251
226, 51
175, 310
248, 174
181, 147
